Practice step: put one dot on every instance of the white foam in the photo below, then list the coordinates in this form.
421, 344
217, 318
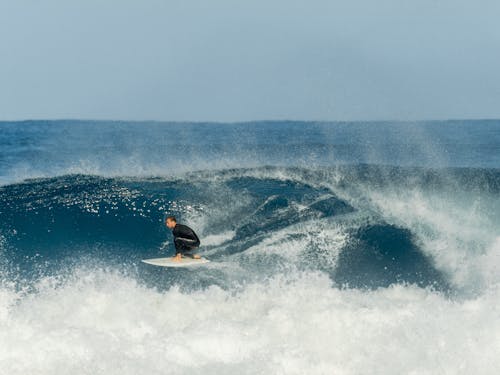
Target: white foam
102, 322
457, 233
326, 238
219, 238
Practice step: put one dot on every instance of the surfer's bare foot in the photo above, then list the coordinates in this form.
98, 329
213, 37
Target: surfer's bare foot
177, 257
196, 256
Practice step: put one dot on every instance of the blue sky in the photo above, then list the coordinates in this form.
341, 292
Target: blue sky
234, 60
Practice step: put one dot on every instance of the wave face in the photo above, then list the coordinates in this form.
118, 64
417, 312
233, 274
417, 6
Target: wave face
332, 245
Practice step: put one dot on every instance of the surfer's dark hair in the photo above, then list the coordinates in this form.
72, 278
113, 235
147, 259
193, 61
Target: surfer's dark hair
171, 218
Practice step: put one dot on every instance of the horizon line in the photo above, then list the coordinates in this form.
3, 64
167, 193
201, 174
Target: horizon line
207, 122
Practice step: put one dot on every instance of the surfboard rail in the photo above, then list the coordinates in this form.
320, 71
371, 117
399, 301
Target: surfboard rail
170, 262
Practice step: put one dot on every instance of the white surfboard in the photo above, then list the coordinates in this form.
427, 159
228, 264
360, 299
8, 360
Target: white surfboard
170, 262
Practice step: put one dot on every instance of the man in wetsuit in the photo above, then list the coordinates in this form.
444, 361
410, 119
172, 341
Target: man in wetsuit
185, 239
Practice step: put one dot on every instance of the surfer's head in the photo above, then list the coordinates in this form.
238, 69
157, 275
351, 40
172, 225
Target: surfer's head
170, 222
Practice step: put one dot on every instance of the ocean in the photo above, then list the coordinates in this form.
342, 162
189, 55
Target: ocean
335, 248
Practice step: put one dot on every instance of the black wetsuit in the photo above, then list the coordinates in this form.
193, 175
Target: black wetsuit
185, 239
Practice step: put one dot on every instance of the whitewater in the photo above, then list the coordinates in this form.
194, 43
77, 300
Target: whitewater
335, 248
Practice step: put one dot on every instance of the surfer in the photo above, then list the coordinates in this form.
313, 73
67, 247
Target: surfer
185, 239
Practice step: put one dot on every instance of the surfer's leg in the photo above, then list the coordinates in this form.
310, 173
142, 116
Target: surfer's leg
178, 245
181, 245
180, 248
185, 246
190, 252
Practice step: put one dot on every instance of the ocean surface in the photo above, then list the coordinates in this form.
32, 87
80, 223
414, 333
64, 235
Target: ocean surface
336, 248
